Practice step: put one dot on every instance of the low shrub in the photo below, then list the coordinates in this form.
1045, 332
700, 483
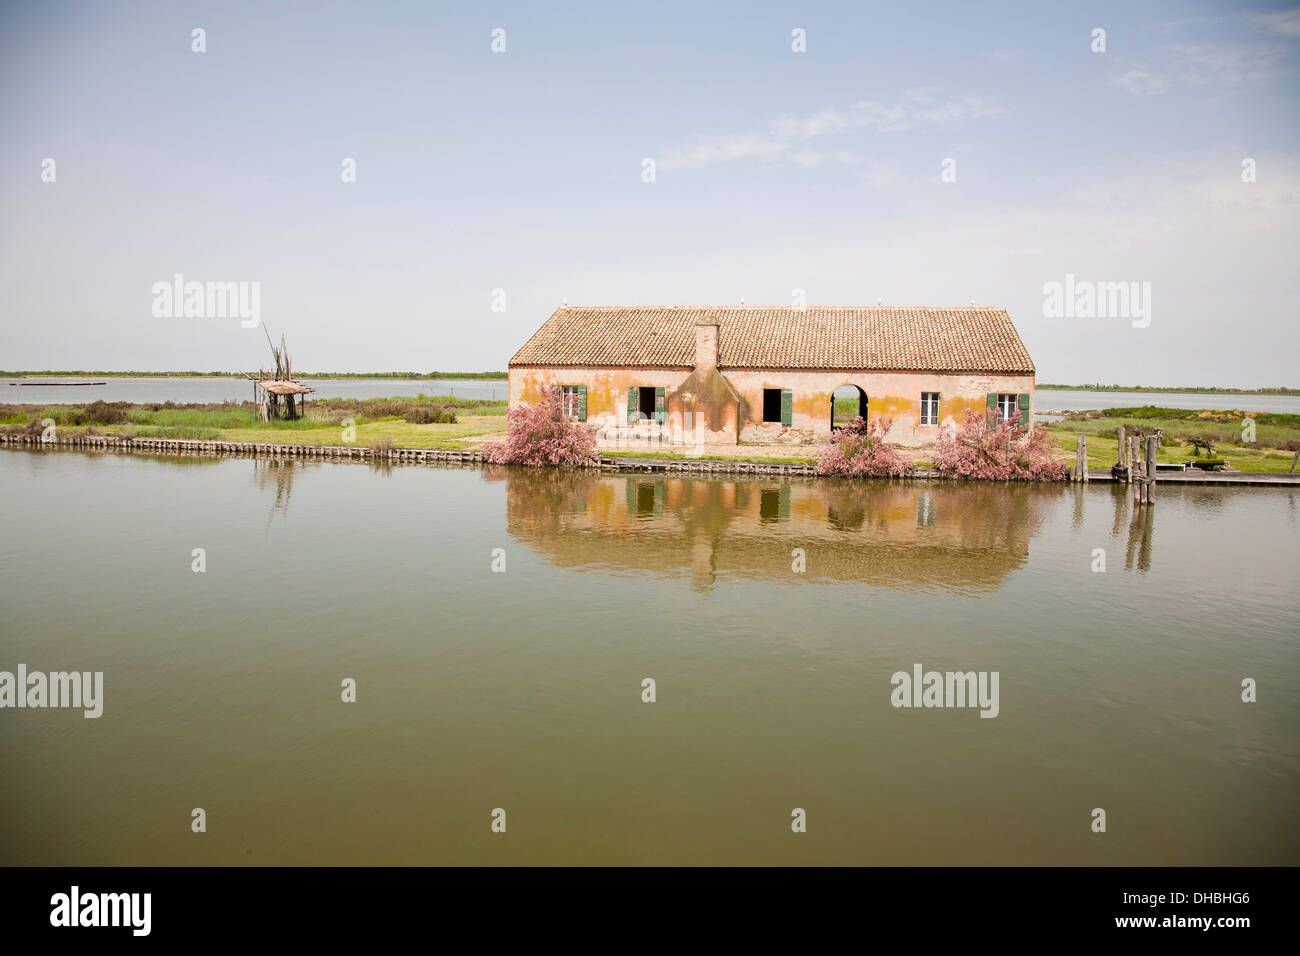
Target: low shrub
541, 434
1004, 451
99, 413
859, 450
431, 415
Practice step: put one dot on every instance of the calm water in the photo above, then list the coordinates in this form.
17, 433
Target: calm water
201, 390
206, 390
1070, 400
521, 690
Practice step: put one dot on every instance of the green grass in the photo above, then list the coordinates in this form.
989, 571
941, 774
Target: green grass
480, 406
846, 408
401, 433
1103, 451
192, 374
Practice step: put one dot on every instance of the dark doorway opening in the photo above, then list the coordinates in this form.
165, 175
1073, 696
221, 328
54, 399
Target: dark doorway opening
772, 406
646, 404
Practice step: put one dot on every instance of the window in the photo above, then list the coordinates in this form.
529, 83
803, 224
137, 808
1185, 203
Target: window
1007, 406
929, 408
646, 408
573, 401
772, 406
646, 403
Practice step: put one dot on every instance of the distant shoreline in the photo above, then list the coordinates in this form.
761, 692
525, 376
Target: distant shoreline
502, 376
1188, 390
414, 376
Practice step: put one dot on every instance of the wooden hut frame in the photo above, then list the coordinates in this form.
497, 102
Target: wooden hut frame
269, 389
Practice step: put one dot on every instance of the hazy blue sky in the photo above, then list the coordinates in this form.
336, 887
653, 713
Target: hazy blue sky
522, 170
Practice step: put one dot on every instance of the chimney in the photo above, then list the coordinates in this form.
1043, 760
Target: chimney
706, 343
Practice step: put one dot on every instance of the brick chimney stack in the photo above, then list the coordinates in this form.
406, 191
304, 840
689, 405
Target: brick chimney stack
706, 343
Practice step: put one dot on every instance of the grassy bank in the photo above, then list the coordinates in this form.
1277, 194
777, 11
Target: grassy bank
433, 421
445, 421
1277, 436
193, 374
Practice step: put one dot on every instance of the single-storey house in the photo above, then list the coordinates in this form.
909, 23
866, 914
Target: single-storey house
723, 375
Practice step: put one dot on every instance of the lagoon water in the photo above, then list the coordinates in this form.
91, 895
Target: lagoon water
205, 390
30, 391
521, 690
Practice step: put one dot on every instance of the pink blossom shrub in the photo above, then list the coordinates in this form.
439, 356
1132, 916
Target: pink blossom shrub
1003, 451
542, 434
859, 450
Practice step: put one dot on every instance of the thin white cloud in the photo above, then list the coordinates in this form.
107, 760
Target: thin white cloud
1141, 82
707, 150
1204, 66
812, 157
1284, 22
918, 107
1171, 26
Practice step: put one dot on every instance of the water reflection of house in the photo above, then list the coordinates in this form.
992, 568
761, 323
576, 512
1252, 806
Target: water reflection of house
967, 538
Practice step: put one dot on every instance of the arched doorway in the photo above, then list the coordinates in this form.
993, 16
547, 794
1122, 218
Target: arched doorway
847, 402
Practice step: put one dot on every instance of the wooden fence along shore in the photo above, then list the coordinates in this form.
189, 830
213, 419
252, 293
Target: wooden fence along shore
1143, 485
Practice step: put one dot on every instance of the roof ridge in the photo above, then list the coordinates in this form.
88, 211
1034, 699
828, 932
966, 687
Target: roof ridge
785, 305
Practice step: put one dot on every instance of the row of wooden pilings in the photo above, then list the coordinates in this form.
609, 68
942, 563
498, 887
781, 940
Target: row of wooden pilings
1137, 457
204, 448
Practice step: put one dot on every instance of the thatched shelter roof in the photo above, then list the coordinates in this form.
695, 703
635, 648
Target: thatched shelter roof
278, 387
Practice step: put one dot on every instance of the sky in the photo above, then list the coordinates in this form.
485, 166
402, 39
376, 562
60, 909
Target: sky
916, 154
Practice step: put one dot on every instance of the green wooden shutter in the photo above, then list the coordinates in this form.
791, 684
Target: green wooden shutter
787, 407
992, 414
633, 402
1022, 401
661, 407
582, 403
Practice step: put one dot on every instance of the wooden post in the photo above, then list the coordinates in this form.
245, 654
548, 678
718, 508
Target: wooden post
1153, 448
1293, 462
1135, 474
1083, 455
1122, 435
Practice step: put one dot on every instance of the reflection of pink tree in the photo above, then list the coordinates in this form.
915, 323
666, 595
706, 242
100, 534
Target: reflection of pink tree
542, 434
859, 449
1003, 451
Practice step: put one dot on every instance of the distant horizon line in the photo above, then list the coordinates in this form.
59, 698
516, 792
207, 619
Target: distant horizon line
504, 375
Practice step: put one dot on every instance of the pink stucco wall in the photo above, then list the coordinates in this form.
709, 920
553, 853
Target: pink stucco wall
894, 395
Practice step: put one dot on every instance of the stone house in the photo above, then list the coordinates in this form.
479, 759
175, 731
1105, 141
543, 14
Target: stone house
769, 374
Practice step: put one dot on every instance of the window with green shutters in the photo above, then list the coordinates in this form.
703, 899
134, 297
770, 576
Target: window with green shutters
787, 407
1003, 406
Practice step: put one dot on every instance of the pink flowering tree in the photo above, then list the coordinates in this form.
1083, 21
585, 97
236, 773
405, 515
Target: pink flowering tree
542, 434
859, 450
997, 451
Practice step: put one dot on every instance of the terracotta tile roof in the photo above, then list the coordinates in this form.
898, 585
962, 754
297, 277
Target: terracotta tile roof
888, 338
